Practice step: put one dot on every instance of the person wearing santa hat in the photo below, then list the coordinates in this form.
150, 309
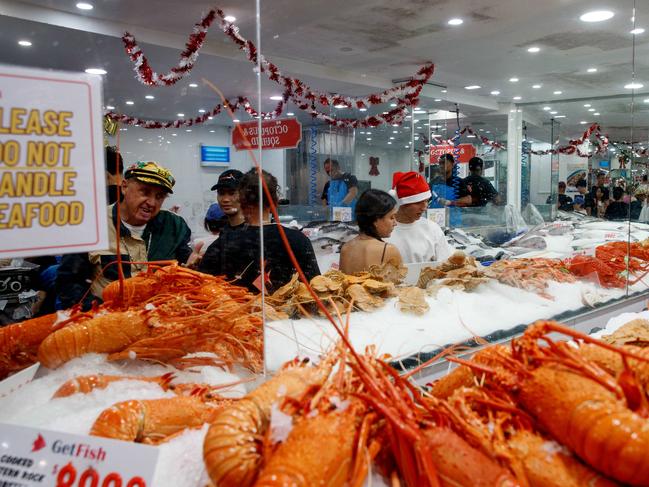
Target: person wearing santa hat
417, 239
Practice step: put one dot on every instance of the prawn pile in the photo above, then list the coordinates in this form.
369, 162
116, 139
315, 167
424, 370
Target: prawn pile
530, 274
164, 314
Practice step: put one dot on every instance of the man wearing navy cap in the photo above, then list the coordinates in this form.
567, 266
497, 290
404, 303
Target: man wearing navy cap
147, 233
479, 188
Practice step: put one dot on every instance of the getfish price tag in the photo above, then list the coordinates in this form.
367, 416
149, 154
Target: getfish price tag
36, 457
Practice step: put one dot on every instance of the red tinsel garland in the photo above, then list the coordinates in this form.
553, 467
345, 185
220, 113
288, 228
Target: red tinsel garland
406, 93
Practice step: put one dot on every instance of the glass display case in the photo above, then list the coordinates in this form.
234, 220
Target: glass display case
399, 178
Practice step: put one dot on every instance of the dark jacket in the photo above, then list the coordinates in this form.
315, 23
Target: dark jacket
165, 237
235, 254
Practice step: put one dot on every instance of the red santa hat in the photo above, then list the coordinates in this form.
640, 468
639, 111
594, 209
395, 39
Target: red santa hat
409, 187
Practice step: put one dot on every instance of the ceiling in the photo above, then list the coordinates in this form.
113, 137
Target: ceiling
359, 47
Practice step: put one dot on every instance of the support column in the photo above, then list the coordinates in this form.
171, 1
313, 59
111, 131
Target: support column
514, 152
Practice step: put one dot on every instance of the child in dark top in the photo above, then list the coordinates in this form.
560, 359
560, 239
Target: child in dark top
236, 253
617, 210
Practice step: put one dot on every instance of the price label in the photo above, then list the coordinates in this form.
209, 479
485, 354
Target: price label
37, 457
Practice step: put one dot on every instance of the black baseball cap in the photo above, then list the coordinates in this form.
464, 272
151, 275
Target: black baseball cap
228, 180
475, 162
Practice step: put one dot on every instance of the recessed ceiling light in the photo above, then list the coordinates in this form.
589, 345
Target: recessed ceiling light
583, 122
140, 140
391, 138
290, 114
637, 31
596, 114
591, 70
149, 97
174, 135
533, 49
560, 116
110, 107
438, 99
24, 43
277, 97
587, 105
553, 113
193, 85
201, 110
396, 124
236, 120
229, 18
597, 16
472, 87
181, 114
188, 130
340, 106
393, 104
455, 21
536, 87
210, 117
96, 71
84, 6
517, 98
212, 131
634, 86
513, 80
362, 109
558, 92
129, 102
547, 108
646, 100
368, 138
395, 131
389, 143
495, 92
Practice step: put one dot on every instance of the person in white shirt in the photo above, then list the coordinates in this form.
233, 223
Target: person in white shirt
417, 239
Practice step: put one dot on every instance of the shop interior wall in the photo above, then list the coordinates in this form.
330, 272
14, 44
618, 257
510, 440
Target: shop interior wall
181, 154
390, 161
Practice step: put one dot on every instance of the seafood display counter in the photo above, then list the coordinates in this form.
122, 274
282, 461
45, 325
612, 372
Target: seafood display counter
571, 270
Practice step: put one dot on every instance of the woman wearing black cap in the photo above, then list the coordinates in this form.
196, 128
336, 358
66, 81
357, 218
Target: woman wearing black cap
236, 254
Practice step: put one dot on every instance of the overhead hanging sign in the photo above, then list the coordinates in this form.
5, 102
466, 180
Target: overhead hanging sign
52, 184
466, 152
276, 134
38, 457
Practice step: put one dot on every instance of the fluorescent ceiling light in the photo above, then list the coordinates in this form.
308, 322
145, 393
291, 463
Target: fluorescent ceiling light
587, 105
181, 114
495, 92
646, 100
290, 114
393, 104
362, 109
389, 142
547, 108
472, 87
560, 116
637, 31
591, 70
84, 6
533, 49
110, 107
236, 120
340, 106
513, 80
24, 43
558, 92
553, 113
96, 71
438, 99
596, 114
129, 102
517, 98
193, 85
583, 122
149, 97
536, 87
229, 18
634, 86
597, 16
201, 110
455, 21
212, 131
188, 130
368, 138
276, 98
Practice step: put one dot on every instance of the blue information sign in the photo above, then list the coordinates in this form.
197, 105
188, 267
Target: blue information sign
214, 154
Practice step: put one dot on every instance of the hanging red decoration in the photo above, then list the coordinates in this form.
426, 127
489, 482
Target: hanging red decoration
406, 94
374, 166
